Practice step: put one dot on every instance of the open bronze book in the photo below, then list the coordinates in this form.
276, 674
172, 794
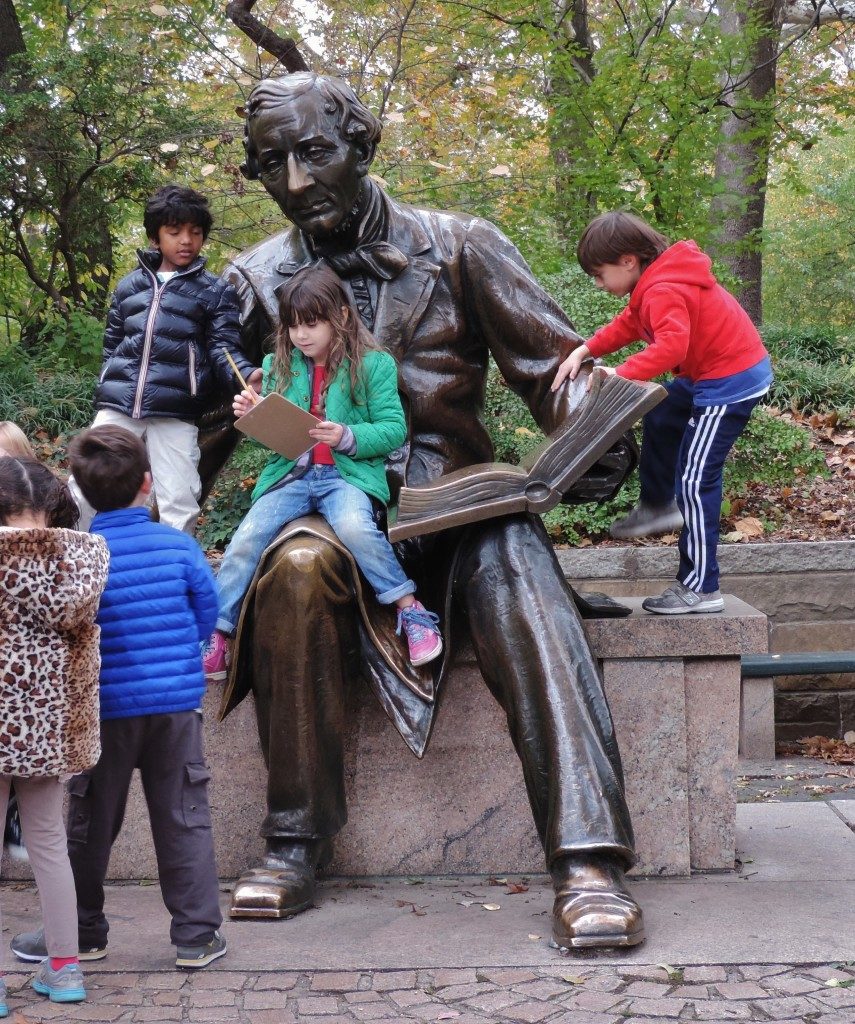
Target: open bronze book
538, 483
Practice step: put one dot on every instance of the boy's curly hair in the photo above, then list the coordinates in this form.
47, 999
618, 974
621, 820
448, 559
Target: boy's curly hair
176, 204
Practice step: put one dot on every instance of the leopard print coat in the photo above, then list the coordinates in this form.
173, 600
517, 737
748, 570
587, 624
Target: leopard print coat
50, 586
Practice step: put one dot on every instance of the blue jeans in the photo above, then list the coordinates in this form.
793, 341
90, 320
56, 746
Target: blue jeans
348, 511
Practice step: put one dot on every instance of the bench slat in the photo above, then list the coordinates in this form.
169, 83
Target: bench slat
758, 666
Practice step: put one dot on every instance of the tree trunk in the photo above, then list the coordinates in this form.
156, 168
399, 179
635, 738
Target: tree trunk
11, 37
742, 159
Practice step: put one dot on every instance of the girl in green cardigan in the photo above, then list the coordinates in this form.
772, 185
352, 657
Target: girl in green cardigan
327, 362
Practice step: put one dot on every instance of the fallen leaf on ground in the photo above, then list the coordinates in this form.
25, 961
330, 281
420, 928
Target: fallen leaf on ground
491, 906
515, 887
418, 911
750, 526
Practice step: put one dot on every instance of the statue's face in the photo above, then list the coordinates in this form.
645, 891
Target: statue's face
312, 173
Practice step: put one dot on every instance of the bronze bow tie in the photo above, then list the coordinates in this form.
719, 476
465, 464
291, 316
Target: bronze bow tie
379, 259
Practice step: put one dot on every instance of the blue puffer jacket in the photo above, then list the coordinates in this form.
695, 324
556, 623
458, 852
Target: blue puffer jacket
165, 344
159, 603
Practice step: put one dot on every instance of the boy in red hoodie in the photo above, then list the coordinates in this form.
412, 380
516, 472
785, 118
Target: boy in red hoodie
697, 330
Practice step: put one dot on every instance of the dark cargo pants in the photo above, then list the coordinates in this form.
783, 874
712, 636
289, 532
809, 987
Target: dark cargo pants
168, 751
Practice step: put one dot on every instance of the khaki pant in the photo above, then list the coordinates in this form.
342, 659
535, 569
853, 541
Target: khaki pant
173, 450
40, 807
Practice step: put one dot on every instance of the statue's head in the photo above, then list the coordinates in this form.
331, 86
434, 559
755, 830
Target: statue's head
310, 142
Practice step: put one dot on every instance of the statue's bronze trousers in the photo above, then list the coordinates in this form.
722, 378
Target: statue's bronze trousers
532, 653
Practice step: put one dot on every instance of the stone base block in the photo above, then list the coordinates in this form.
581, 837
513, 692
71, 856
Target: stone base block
674, 691
757, 719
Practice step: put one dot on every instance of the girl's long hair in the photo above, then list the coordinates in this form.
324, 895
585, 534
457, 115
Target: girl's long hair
316, 293
28, 486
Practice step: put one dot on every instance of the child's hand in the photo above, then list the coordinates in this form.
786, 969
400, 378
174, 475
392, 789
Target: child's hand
570, 367
327, 432
254, 380
243, 402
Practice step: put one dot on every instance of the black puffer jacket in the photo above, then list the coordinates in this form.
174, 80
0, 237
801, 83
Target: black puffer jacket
165, 344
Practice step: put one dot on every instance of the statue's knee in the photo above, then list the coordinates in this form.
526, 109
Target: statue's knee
302, 567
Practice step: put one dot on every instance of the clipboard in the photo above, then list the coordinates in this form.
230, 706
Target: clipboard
280, 425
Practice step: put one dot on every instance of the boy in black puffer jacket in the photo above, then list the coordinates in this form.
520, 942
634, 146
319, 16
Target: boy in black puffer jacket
169, 327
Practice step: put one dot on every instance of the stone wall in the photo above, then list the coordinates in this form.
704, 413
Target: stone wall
806, 589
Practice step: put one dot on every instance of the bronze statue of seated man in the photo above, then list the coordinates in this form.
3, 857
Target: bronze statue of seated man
443, 292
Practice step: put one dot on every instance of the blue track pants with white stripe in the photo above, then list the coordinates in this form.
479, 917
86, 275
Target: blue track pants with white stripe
682, 454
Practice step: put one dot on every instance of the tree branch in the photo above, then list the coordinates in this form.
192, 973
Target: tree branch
284, 50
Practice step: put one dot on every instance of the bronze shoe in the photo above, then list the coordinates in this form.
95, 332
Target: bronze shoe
593, 907
283, 886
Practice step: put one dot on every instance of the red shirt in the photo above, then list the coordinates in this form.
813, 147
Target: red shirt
322, 453
692, 325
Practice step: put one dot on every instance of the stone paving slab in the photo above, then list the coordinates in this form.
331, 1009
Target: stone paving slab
567, 993
784, 841
387, 924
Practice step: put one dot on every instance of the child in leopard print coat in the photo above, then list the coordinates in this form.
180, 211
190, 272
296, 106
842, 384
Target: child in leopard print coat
51, 580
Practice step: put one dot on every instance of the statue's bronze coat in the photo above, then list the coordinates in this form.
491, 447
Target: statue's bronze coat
464, 294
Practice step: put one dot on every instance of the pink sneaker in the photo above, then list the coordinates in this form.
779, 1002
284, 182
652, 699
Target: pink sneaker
420, 627
216, 657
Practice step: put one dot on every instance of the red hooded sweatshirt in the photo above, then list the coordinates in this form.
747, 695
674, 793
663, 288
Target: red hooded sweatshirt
692, 325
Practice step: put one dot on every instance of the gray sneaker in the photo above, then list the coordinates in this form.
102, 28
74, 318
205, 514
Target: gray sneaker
32, 948
647, 521
194, 957
62, 986
679, 600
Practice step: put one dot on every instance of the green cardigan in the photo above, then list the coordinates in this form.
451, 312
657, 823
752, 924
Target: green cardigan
374, 414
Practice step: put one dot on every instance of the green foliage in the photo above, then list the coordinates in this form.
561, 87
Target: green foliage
587, 306
809, 267
814, 368
809, 387
771, 451
229, 499
88, 123
76, 341
43, 398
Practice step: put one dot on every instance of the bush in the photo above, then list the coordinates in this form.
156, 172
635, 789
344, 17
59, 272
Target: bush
229, 499
814, 368
39, 398
587, 306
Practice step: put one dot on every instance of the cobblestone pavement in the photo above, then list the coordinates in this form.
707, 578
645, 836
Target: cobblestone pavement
571, 993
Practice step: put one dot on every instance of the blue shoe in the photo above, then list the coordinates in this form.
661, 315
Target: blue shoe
4, 1006
62, 986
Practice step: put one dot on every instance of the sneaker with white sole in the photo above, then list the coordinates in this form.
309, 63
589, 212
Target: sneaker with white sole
194, 957
678, 599
216, 657
62, 986
32, 948
422, 632
648, 521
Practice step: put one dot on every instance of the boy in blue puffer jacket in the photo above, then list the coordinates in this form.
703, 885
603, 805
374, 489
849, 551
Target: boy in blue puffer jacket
159, 603
170, 327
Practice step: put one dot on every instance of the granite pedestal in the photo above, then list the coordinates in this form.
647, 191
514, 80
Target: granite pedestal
673, 685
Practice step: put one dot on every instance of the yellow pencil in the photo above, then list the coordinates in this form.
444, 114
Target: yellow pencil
239, 376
